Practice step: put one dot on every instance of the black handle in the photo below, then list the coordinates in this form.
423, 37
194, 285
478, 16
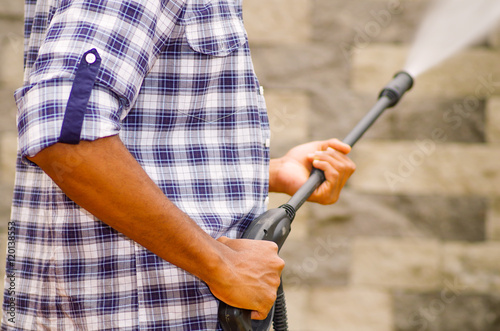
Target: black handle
232, 318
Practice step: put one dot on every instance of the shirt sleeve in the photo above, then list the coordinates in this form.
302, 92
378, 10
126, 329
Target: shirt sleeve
92, 60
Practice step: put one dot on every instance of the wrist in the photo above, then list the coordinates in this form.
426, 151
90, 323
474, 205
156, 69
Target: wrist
274, 169
217, 271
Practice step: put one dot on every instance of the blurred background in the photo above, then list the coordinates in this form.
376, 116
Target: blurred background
414, 242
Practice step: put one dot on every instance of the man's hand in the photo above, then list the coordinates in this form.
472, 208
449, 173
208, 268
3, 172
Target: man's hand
288, 173
250, 275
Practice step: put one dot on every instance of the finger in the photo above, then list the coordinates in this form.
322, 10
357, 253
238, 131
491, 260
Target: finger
264, 307
337, 169
337, 145
332, 156
339, 160
271, 245
336, 154
334, 161
327, 192
255, 315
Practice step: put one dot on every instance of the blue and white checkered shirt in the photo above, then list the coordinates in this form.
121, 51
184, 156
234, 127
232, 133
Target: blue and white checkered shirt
175, 80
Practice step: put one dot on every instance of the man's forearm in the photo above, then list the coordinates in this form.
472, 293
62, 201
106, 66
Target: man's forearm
104, 178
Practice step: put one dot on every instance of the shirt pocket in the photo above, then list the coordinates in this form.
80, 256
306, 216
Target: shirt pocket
214, 27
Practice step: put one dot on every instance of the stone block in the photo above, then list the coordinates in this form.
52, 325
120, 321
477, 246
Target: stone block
426, 167
11, 54
297, 305
278, 22
3, 255
415, 311
443, 217
493, 220
288, 111
349, 309
410, 216
315, 70
293, 66
473, 265
417, 118
6, 193
472, 313
494, 38
471, 74
8, 155
396, 263
492, 123
11, 9
316, 261
357, 214
354, 25
447, 310
8, 110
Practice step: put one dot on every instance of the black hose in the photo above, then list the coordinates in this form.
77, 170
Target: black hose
280, 320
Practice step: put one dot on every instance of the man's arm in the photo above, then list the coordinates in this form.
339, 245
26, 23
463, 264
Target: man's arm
104, 178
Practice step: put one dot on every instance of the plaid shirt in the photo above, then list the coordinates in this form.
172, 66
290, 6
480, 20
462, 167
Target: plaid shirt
175, 80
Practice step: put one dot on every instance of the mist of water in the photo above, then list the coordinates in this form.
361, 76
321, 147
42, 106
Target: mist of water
448, 27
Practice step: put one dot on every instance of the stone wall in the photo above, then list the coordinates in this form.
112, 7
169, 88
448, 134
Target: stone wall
413, 243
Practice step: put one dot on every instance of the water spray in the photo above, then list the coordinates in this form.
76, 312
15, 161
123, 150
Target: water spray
275, 224
448, 27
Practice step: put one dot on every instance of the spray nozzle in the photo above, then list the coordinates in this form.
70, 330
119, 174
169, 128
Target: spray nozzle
401, 83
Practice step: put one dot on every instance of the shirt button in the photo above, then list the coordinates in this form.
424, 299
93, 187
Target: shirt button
266, 201
261, 90
90, 58
222, 45
268, 143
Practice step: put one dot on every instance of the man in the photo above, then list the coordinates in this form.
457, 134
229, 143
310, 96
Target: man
143, 141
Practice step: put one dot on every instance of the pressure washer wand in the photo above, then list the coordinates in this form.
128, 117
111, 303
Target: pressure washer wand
388, 98
275, 224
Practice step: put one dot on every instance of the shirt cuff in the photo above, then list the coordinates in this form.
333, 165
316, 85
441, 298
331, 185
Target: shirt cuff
41, 110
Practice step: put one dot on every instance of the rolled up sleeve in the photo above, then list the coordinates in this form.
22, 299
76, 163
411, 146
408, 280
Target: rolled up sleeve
126, 36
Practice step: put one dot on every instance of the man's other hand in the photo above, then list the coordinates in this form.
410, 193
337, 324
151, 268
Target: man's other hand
288, 173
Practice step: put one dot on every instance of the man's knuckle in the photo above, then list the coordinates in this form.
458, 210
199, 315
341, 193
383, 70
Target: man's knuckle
272, 298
